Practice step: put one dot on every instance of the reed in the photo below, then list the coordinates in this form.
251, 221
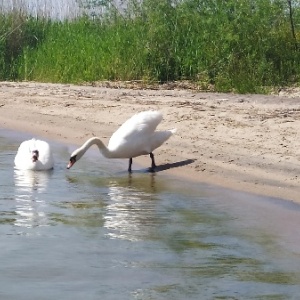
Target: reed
242, 46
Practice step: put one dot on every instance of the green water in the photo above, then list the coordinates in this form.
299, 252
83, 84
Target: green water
94, 232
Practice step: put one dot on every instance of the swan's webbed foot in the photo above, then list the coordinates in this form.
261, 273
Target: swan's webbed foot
129, 166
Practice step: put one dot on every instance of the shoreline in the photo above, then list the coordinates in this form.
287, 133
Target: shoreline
246, 143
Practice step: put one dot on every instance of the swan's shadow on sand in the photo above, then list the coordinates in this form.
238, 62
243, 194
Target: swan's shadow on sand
173, 165
163, 167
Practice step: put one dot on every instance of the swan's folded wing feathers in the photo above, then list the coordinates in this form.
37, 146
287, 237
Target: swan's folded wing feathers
141, 123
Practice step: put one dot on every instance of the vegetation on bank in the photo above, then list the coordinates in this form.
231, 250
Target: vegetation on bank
243, 46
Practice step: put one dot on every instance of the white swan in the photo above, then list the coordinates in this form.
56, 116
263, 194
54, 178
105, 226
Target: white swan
137, 136
34, 155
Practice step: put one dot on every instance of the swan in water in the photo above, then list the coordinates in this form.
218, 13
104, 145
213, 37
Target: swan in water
137, 136
34, 155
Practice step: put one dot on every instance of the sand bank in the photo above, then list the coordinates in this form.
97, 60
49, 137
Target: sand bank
245, 142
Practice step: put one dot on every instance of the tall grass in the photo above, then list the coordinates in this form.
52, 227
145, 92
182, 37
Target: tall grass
242, 46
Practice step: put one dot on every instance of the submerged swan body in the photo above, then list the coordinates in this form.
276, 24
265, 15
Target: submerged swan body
137, 136
34, 155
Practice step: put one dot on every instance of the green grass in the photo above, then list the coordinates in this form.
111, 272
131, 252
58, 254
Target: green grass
241, 46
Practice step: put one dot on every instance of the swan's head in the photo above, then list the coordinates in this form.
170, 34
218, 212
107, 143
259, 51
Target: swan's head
75, 156
35, 155
72, 161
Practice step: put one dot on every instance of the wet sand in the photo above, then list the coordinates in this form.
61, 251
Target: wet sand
243, 142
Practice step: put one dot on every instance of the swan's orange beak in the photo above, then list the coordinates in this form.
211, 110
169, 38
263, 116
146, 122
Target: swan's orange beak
71, 162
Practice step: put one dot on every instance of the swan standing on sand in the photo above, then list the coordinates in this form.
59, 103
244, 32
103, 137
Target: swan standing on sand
34, 155
137, 136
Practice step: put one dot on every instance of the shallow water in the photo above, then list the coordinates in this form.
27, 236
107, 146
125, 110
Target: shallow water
94, 232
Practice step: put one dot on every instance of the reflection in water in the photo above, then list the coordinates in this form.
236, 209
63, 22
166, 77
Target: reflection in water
146, 236
130, 213
29, 187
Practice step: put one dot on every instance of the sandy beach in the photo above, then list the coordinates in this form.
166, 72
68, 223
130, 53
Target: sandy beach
244, 142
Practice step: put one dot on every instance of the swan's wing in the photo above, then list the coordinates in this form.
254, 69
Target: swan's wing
42, 146
46, 156
24, 155
141, 124
25, 149
145, 121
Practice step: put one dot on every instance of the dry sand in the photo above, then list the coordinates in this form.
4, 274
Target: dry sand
245, 142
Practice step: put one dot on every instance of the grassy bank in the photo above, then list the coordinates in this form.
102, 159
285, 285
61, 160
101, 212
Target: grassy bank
242, 46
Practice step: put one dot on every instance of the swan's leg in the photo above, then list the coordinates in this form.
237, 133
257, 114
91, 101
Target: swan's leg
153, 165
130, 163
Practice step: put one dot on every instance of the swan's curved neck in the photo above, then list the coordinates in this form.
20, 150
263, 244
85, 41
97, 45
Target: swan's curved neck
95, 141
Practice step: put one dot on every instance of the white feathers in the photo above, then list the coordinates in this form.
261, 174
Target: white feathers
137, 136
34, 155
